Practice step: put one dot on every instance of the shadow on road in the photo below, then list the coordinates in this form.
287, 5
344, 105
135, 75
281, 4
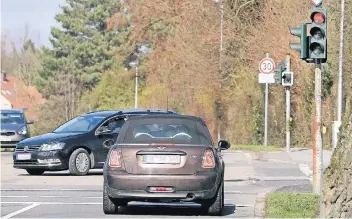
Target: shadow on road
173, 210
63, 174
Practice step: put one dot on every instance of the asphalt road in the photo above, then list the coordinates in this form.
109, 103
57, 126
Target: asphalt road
59, 195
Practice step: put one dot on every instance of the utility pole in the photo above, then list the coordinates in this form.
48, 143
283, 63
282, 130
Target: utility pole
337, 124
136, 90
288, 105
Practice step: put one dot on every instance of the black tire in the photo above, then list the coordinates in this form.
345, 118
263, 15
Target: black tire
109, 206
215, 206
72, 162
35, 172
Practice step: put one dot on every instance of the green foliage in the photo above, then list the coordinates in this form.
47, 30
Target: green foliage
291, 205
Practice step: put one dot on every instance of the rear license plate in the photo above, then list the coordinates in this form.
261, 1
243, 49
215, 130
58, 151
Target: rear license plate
25, 156
161, 159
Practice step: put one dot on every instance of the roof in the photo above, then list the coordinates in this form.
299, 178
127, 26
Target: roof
129, 111
11, 111
19, 95
168, 116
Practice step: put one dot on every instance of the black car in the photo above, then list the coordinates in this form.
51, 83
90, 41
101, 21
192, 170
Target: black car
165, 158
78, 145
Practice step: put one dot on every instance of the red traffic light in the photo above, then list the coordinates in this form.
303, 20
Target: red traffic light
318, 18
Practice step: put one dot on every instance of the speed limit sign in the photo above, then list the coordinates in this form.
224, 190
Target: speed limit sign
267, 65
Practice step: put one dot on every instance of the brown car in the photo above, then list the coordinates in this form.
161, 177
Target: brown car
165, 158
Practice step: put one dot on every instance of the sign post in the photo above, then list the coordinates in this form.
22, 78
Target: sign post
266, 76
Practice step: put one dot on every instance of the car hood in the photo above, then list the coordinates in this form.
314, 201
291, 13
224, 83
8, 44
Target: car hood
11, 127
49, 137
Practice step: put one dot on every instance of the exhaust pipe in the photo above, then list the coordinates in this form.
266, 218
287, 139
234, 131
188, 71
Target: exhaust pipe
190, 197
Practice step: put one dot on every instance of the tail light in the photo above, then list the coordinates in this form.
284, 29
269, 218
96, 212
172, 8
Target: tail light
208, 159
115, 158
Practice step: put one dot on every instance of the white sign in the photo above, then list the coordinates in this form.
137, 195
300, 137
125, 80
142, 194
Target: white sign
264, 78
267, 65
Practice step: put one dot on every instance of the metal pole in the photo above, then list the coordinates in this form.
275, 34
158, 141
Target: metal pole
266, 111
337, 123
136, 90
288, 106
220, 55
317, 142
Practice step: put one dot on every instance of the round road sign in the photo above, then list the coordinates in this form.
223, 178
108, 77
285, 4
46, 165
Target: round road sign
266, 65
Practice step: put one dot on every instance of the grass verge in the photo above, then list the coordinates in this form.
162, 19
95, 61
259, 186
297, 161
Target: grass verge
255, 148
7, 149
291, 205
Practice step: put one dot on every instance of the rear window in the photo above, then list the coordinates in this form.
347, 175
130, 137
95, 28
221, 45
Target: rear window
178, 131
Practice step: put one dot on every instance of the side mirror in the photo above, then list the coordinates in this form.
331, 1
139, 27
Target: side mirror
224, 145
103, 131
29, 122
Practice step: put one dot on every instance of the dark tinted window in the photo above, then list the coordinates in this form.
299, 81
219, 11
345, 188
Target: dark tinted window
12, 118
80, 124
166, 130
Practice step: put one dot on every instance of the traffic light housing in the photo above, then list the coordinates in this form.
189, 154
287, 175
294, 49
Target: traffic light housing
318, 39
287, 78
302, 46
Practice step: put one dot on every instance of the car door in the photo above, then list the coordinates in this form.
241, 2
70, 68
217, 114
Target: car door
105, 137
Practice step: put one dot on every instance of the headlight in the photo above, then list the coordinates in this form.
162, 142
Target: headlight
52, 146
22, 131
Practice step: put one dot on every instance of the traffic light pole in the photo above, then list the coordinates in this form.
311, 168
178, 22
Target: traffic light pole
317, 140
288, 106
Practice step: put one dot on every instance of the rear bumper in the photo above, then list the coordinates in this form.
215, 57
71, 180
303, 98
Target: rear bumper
201, 186
45, 160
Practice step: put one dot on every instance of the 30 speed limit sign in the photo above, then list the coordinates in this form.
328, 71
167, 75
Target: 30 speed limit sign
267, 65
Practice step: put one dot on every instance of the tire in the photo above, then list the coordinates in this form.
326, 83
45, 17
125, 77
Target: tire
109, 206
79, 162
35, 172
215, 205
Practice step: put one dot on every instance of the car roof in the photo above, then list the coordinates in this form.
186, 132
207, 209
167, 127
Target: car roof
11, 111
130, 111
167, 116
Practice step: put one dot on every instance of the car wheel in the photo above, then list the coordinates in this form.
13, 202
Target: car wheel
79, 163
35, 172
109, 206
214, 206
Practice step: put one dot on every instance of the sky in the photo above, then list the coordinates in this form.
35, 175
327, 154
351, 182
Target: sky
37, 15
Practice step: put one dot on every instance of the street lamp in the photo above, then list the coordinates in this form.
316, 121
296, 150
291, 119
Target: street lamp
134, 64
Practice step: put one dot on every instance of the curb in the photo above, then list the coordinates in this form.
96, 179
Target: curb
259, 207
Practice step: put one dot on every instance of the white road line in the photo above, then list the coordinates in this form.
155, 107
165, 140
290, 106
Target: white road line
100, 197
55, 203
306, 171
21, 210
13, 196
53, 196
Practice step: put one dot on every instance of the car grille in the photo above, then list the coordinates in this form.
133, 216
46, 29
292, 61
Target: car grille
7, 133
30, 148
24, 162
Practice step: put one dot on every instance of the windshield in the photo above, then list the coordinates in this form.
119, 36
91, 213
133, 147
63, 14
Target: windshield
80, 124
12, 118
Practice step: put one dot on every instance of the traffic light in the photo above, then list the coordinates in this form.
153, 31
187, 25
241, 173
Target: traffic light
287, 78
301, 47
318, 32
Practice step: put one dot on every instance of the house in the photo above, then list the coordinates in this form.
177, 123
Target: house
15, 94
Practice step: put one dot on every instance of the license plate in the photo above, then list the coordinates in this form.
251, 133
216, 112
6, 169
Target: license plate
25, 156
161, 159
5, 138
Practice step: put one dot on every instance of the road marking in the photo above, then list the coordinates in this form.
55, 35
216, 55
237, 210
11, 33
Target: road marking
55, 203
33, 205
14, 196
53, 196
306, 171
33, 189
94, 197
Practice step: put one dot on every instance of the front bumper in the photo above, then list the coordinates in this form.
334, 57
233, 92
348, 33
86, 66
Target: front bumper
46, 160
201, 186
11, 141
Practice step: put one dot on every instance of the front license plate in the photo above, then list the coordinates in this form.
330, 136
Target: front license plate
25, 156
5, 138
161, 159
